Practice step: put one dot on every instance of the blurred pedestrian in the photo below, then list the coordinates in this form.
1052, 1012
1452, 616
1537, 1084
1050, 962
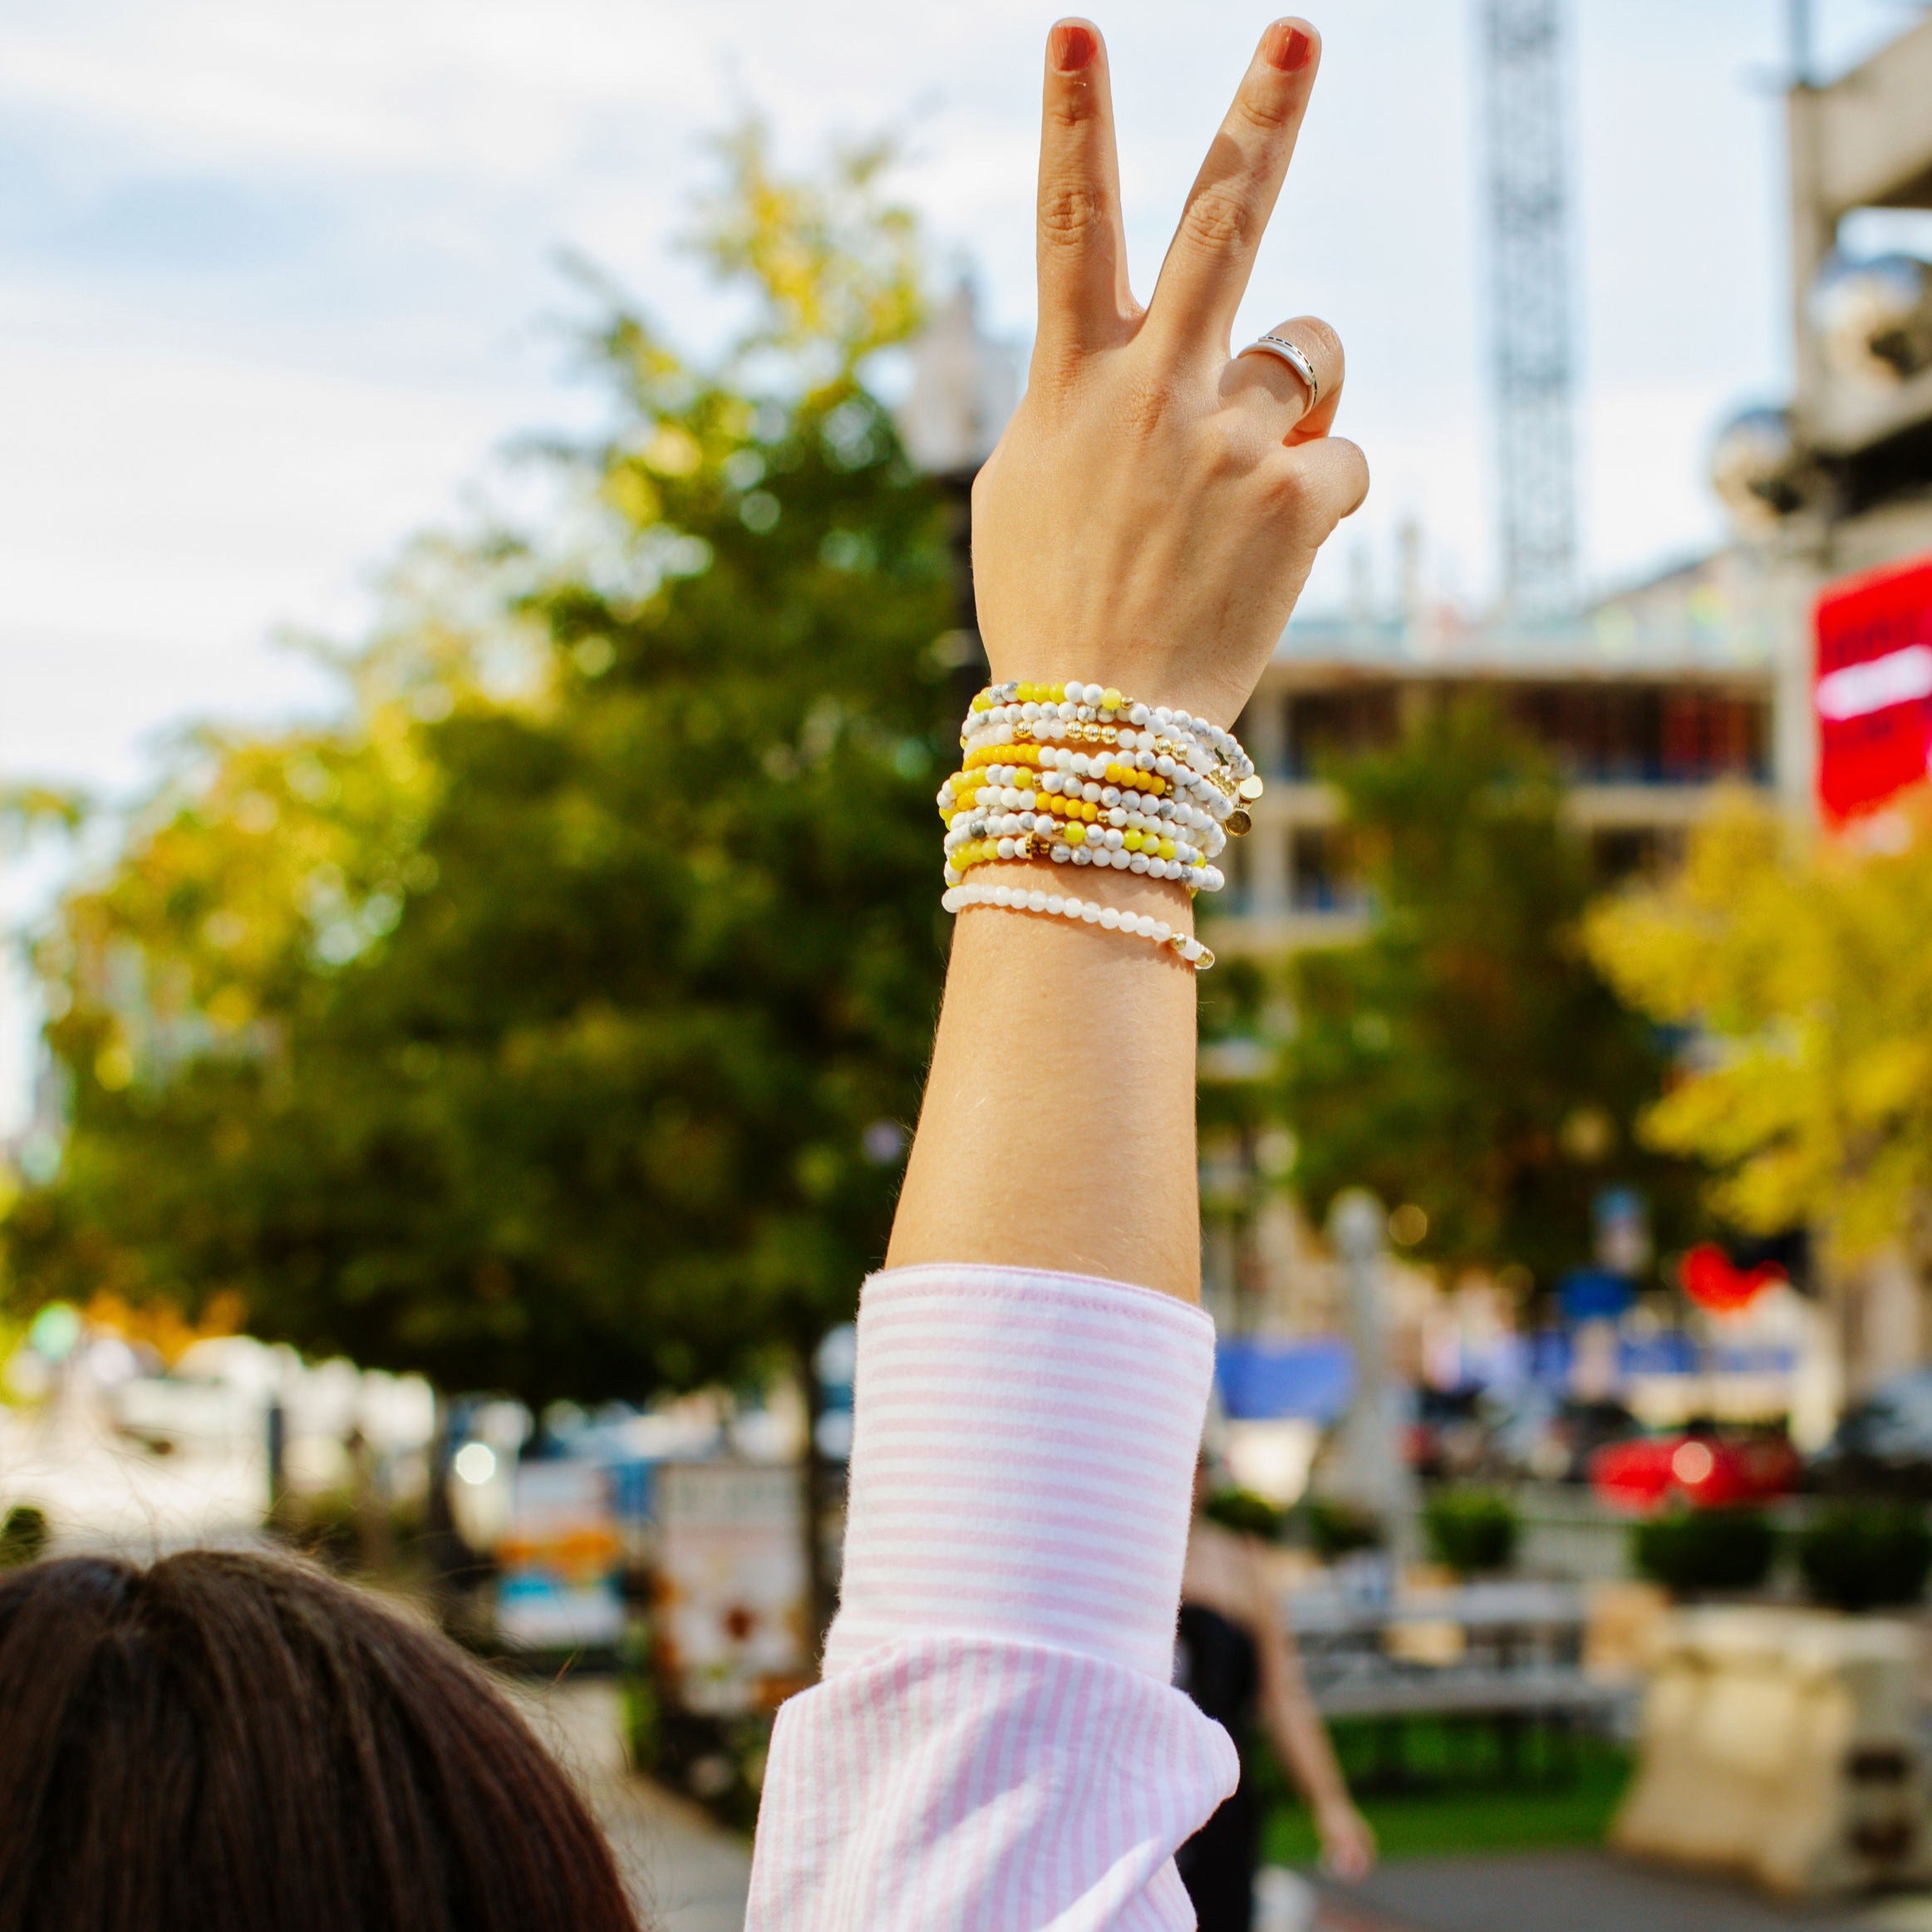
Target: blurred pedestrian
1235, 1657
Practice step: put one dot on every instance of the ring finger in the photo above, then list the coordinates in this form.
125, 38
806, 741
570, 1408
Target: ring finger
1293, 374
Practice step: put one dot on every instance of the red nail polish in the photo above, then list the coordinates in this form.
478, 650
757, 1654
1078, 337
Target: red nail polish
1072, 47
1288, 47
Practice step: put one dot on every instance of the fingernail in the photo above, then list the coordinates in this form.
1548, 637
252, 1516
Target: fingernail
1072, 47
1287, 46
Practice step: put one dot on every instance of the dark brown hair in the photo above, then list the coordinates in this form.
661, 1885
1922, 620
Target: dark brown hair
223, 1742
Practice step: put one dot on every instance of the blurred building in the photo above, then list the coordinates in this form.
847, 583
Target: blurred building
1861, 298
1648, 703
1834, 494
964, 384
1653, 701
1836, 487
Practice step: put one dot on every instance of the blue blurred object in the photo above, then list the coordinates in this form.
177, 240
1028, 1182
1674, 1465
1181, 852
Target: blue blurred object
633, 1489
1668, 1352
1595, 1295
1261, 1381
835, 1364
1622, 1219
1754, 1359
1549, 1355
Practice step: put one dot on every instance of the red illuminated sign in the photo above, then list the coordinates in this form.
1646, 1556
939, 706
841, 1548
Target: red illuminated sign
1873, 687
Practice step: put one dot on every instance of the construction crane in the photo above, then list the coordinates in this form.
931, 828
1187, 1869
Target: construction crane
1521, 50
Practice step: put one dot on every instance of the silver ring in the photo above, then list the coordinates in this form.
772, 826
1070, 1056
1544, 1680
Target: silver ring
1295, 356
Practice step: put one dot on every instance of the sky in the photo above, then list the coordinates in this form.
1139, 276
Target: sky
278, 284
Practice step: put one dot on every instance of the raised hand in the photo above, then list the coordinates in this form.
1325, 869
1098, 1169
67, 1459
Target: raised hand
1146, 522
1151, 515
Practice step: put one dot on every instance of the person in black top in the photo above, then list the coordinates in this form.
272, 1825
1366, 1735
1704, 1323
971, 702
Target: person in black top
1234, 1656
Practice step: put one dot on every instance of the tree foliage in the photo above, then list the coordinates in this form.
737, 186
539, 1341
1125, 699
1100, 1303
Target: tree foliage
1805, 968
836, 266
1466, 1057
544, 1022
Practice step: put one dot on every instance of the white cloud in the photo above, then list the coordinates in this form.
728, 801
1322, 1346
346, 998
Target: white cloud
160, 515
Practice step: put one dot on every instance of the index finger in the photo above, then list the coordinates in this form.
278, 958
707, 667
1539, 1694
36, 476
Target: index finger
1084, 297
1207, 270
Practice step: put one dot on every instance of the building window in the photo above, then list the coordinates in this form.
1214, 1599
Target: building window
1236, 898
1612, 734
1326, 878
1328, 725
1262, 728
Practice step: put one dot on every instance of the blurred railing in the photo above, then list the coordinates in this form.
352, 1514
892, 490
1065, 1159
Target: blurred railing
1565, 1531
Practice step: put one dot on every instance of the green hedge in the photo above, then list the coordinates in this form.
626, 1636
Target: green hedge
1691, 1550
1866, 1556
1470, 1531
1240, 1509
1339, 1529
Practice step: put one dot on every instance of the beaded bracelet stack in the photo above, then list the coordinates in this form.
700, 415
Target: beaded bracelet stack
1081, 775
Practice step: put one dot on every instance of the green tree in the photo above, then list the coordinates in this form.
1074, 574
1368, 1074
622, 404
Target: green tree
545, 1023
1466, 1057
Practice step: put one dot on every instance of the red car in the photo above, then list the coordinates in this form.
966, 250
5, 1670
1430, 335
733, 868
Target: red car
1705, 1469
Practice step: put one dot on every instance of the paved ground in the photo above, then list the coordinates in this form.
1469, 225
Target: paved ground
1584, 1891
686, 1873
688, 1876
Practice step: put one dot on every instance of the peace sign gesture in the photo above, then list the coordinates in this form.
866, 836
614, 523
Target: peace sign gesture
1151, 515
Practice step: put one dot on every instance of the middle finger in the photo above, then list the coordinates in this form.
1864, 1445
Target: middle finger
1207, 269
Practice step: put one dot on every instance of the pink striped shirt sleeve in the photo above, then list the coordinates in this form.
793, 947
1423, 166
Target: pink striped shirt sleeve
995, 1745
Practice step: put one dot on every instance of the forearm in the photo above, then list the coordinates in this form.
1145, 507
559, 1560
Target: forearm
1302, 1740
1295, 1726
1058, 1128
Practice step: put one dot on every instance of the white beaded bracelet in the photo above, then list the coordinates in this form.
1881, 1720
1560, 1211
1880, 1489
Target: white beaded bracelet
1141, 925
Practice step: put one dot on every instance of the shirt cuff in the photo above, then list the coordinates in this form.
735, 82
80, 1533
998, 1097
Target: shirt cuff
1023, 1459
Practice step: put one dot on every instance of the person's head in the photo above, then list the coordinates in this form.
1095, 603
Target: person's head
221, 1743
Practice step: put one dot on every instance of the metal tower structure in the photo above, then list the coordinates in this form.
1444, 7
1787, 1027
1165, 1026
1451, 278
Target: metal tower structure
1522, 55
